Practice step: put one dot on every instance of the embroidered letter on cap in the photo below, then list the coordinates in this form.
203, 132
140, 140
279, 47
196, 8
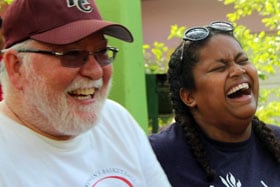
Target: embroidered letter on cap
82, 5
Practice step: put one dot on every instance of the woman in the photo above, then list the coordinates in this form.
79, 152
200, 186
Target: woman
216, 139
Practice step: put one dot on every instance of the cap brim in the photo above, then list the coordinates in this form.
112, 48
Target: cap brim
78, 30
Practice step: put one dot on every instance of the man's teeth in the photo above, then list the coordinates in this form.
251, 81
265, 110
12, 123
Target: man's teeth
83, 92
238, 87
83, 97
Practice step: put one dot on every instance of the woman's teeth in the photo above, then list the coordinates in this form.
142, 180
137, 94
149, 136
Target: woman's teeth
238, 88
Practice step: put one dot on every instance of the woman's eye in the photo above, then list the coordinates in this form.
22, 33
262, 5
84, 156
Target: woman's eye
243, 61
218, 68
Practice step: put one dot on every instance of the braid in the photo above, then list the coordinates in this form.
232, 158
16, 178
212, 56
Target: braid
267, 138
192, 135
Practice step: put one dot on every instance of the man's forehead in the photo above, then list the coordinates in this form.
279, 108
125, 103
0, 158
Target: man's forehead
96, 41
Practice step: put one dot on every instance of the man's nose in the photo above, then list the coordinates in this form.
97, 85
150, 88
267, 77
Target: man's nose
92, 68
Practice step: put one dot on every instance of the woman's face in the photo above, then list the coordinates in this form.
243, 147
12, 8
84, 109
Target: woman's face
226, 94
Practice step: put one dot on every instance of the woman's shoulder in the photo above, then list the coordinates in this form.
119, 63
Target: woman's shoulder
169, 145
168, 137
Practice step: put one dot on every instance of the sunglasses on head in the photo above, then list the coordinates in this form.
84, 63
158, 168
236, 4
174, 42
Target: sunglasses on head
201, 33
77, 58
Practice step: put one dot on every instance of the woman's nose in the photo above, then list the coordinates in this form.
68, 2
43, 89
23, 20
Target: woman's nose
237, 70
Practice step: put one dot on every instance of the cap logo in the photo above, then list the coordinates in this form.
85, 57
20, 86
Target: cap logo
82, 5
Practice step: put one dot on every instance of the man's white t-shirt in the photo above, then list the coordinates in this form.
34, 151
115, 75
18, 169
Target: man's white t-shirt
115, 153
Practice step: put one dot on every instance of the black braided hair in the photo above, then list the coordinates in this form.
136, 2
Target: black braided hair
180, 75
267, 138
192, 135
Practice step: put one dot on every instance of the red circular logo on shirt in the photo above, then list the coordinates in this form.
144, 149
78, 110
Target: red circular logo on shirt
112, 180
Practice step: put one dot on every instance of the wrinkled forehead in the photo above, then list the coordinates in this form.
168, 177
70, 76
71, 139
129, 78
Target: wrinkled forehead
223, 39
219, 46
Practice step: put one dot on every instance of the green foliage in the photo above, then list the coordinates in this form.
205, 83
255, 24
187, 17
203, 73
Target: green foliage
157, 57
269, 111
176, 32
8, 1
262, 48
268, 9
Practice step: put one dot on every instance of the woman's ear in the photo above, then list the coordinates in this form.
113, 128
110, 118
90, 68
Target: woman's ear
187, 97
13, 66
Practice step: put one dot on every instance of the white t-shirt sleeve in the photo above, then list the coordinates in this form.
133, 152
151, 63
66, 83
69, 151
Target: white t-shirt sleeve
137, 141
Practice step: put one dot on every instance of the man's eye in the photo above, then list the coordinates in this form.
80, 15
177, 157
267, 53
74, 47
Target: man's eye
73, 53
102, 51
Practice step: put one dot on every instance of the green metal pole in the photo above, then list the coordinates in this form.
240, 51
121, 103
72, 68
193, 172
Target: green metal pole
128, 85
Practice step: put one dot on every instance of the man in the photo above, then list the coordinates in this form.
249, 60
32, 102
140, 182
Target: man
56, 126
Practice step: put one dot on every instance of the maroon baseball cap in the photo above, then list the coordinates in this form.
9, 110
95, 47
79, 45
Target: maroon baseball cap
56, 22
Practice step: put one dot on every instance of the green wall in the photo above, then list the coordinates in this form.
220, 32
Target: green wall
128, 86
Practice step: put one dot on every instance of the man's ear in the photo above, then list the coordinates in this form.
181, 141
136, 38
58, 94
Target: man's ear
187, 97
13, 65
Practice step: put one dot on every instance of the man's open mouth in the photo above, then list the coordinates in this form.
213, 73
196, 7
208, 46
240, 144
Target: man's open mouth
86, 93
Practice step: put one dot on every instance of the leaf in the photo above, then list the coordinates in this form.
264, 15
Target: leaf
231, 179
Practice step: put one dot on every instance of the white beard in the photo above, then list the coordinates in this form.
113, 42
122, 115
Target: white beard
52, 113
